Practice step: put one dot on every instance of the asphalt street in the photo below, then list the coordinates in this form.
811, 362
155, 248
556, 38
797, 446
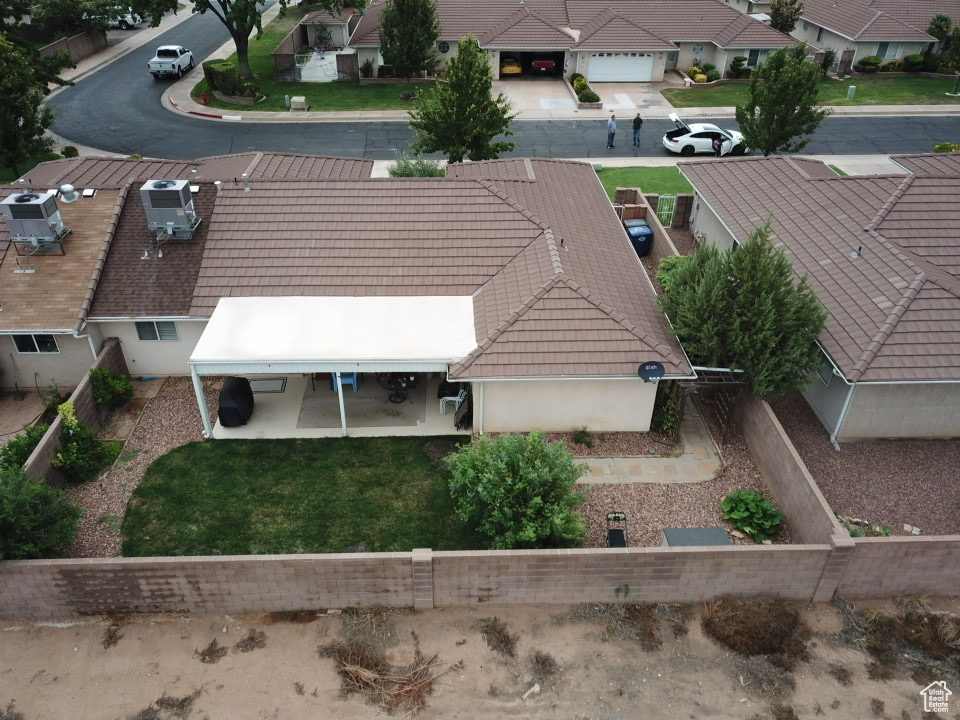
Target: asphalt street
118, 109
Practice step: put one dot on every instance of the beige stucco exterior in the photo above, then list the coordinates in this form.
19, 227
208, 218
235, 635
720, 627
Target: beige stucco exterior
927, 410
706, 226
156, 357
64, 368
564, 405
809, 33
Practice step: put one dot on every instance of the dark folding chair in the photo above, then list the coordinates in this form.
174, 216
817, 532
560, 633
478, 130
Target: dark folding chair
616, 529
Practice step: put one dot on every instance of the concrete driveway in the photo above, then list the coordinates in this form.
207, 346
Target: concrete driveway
537, 97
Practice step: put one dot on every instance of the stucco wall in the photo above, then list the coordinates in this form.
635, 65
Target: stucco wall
156, 357
32, 370
563, 405
706, 226
827, 401
902, 411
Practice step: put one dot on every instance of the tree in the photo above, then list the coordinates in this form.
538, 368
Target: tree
782, 102
518, 491
240, 17
940, 26
784, 15
458, 116
742, 309
36, 520
23, 117
409, 30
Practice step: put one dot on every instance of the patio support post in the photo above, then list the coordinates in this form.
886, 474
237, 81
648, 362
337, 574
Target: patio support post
343, 412
202, 402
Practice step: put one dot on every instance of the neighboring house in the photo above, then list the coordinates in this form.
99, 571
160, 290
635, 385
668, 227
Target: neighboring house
339, 26
622, 41
882, 254
515, 276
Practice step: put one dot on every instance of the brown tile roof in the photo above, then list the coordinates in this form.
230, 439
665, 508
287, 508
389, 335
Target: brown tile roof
855, 20
894, 306
611, 31
99, 172
155, 287
927, 164
543, 24
327, 17
917, 13
56, 296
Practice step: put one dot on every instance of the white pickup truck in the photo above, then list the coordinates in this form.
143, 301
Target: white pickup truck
170, 60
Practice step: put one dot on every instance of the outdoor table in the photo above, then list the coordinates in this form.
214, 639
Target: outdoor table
397, 384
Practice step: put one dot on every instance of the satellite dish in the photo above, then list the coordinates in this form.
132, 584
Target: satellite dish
650, 371
26, 197
68, 193
163, 184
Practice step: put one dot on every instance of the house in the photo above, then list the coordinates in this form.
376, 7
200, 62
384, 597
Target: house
882, 254
623, 41
339, 26
515, 277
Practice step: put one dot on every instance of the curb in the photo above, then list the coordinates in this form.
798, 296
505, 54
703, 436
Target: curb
198, 113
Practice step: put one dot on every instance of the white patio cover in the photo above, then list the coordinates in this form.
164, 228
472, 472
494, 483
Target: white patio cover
251, 335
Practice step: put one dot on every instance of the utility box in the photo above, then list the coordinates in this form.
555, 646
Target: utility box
851, 92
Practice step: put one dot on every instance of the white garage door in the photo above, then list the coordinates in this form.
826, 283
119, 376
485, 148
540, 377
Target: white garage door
620, 67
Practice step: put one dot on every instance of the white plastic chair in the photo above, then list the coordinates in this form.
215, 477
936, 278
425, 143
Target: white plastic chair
455, 400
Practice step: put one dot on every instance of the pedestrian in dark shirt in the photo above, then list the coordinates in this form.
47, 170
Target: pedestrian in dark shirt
717, 147
637, 126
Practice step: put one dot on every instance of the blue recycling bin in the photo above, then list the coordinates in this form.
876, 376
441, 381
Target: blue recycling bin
641, 236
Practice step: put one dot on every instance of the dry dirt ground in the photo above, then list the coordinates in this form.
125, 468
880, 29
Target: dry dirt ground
271, 666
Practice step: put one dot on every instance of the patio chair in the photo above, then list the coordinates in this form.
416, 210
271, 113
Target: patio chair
455, 400
350, 378
616, 529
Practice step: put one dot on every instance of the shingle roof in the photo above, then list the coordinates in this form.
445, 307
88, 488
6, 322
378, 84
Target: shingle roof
855, 20
544, 23
894, 305
55, 297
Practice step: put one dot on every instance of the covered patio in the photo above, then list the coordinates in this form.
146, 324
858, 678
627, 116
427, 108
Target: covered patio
292, 349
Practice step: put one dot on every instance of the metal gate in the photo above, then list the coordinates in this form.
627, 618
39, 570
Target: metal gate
665, 207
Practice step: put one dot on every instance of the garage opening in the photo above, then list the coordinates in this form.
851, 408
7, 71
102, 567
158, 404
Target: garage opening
532, 64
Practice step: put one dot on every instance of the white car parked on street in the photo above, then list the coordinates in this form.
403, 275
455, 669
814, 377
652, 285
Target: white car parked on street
698, 138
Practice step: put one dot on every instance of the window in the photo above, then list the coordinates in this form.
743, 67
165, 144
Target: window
825, 371
697, 49
443, 46
672, 55
36, 343
159, 330
888, 50
819, 35
753, 57
806, 26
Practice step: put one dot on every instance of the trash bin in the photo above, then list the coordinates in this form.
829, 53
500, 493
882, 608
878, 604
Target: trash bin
641, 236
236, 402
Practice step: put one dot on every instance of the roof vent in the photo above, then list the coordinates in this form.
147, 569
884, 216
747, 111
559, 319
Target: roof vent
169, 208
68, 194
34, 222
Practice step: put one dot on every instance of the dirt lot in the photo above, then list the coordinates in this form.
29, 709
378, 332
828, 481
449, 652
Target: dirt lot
153, 668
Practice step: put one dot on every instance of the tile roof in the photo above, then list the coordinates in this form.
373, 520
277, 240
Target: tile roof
880, 251
545, 23
917, 13
855, 20
328, 17
55, 297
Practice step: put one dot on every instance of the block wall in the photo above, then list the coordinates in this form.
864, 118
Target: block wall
891, 566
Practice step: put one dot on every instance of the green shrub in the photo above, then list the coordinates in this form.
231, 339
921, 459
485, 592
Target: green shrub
666, 408
69, 151
52, 397
945, 66
580, 84
892, 66
694, 70
366, 68
869, 64
701, 78
405, 166
582, 436
221, 75
667, 268
752, 515
913, 63
109, 390
713, 75
576, 76
946, 147
248, 89
589, 96
707, 67
82, 454
517, 491
36, 521
385, 71
15, 453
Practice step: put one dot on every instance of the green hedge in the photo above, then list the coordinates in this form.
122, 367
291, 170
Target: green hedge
221, 75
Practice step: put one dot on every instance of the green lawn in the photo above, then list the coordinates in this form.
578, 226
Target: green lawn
339, 95
7, 175
665, 180
239, 497
870, 91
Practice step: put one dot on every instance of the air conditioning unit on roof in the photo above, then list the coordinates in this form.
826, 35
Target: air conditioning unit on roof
33, 218
169, 206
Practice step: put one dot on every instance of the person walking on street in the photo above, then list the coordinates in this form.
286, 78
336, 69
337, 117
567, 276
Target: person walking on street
637, 126
611, 130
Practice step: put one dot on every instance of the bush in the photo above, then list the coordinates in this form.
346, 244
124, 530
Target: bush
588, 96
580, 84
913, 63
827, 60
82, 454
946, 147
69, 151
53, 398
366, 68
385, 71
869, 64
248, 89
701, 78
577, 76
713, 75
517, 490
892, 66
15, 453
707, 67
752, 515
109, 390
36, 520
946, 66
221, 75
738, 68
694, 70
415, 167
666, 408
